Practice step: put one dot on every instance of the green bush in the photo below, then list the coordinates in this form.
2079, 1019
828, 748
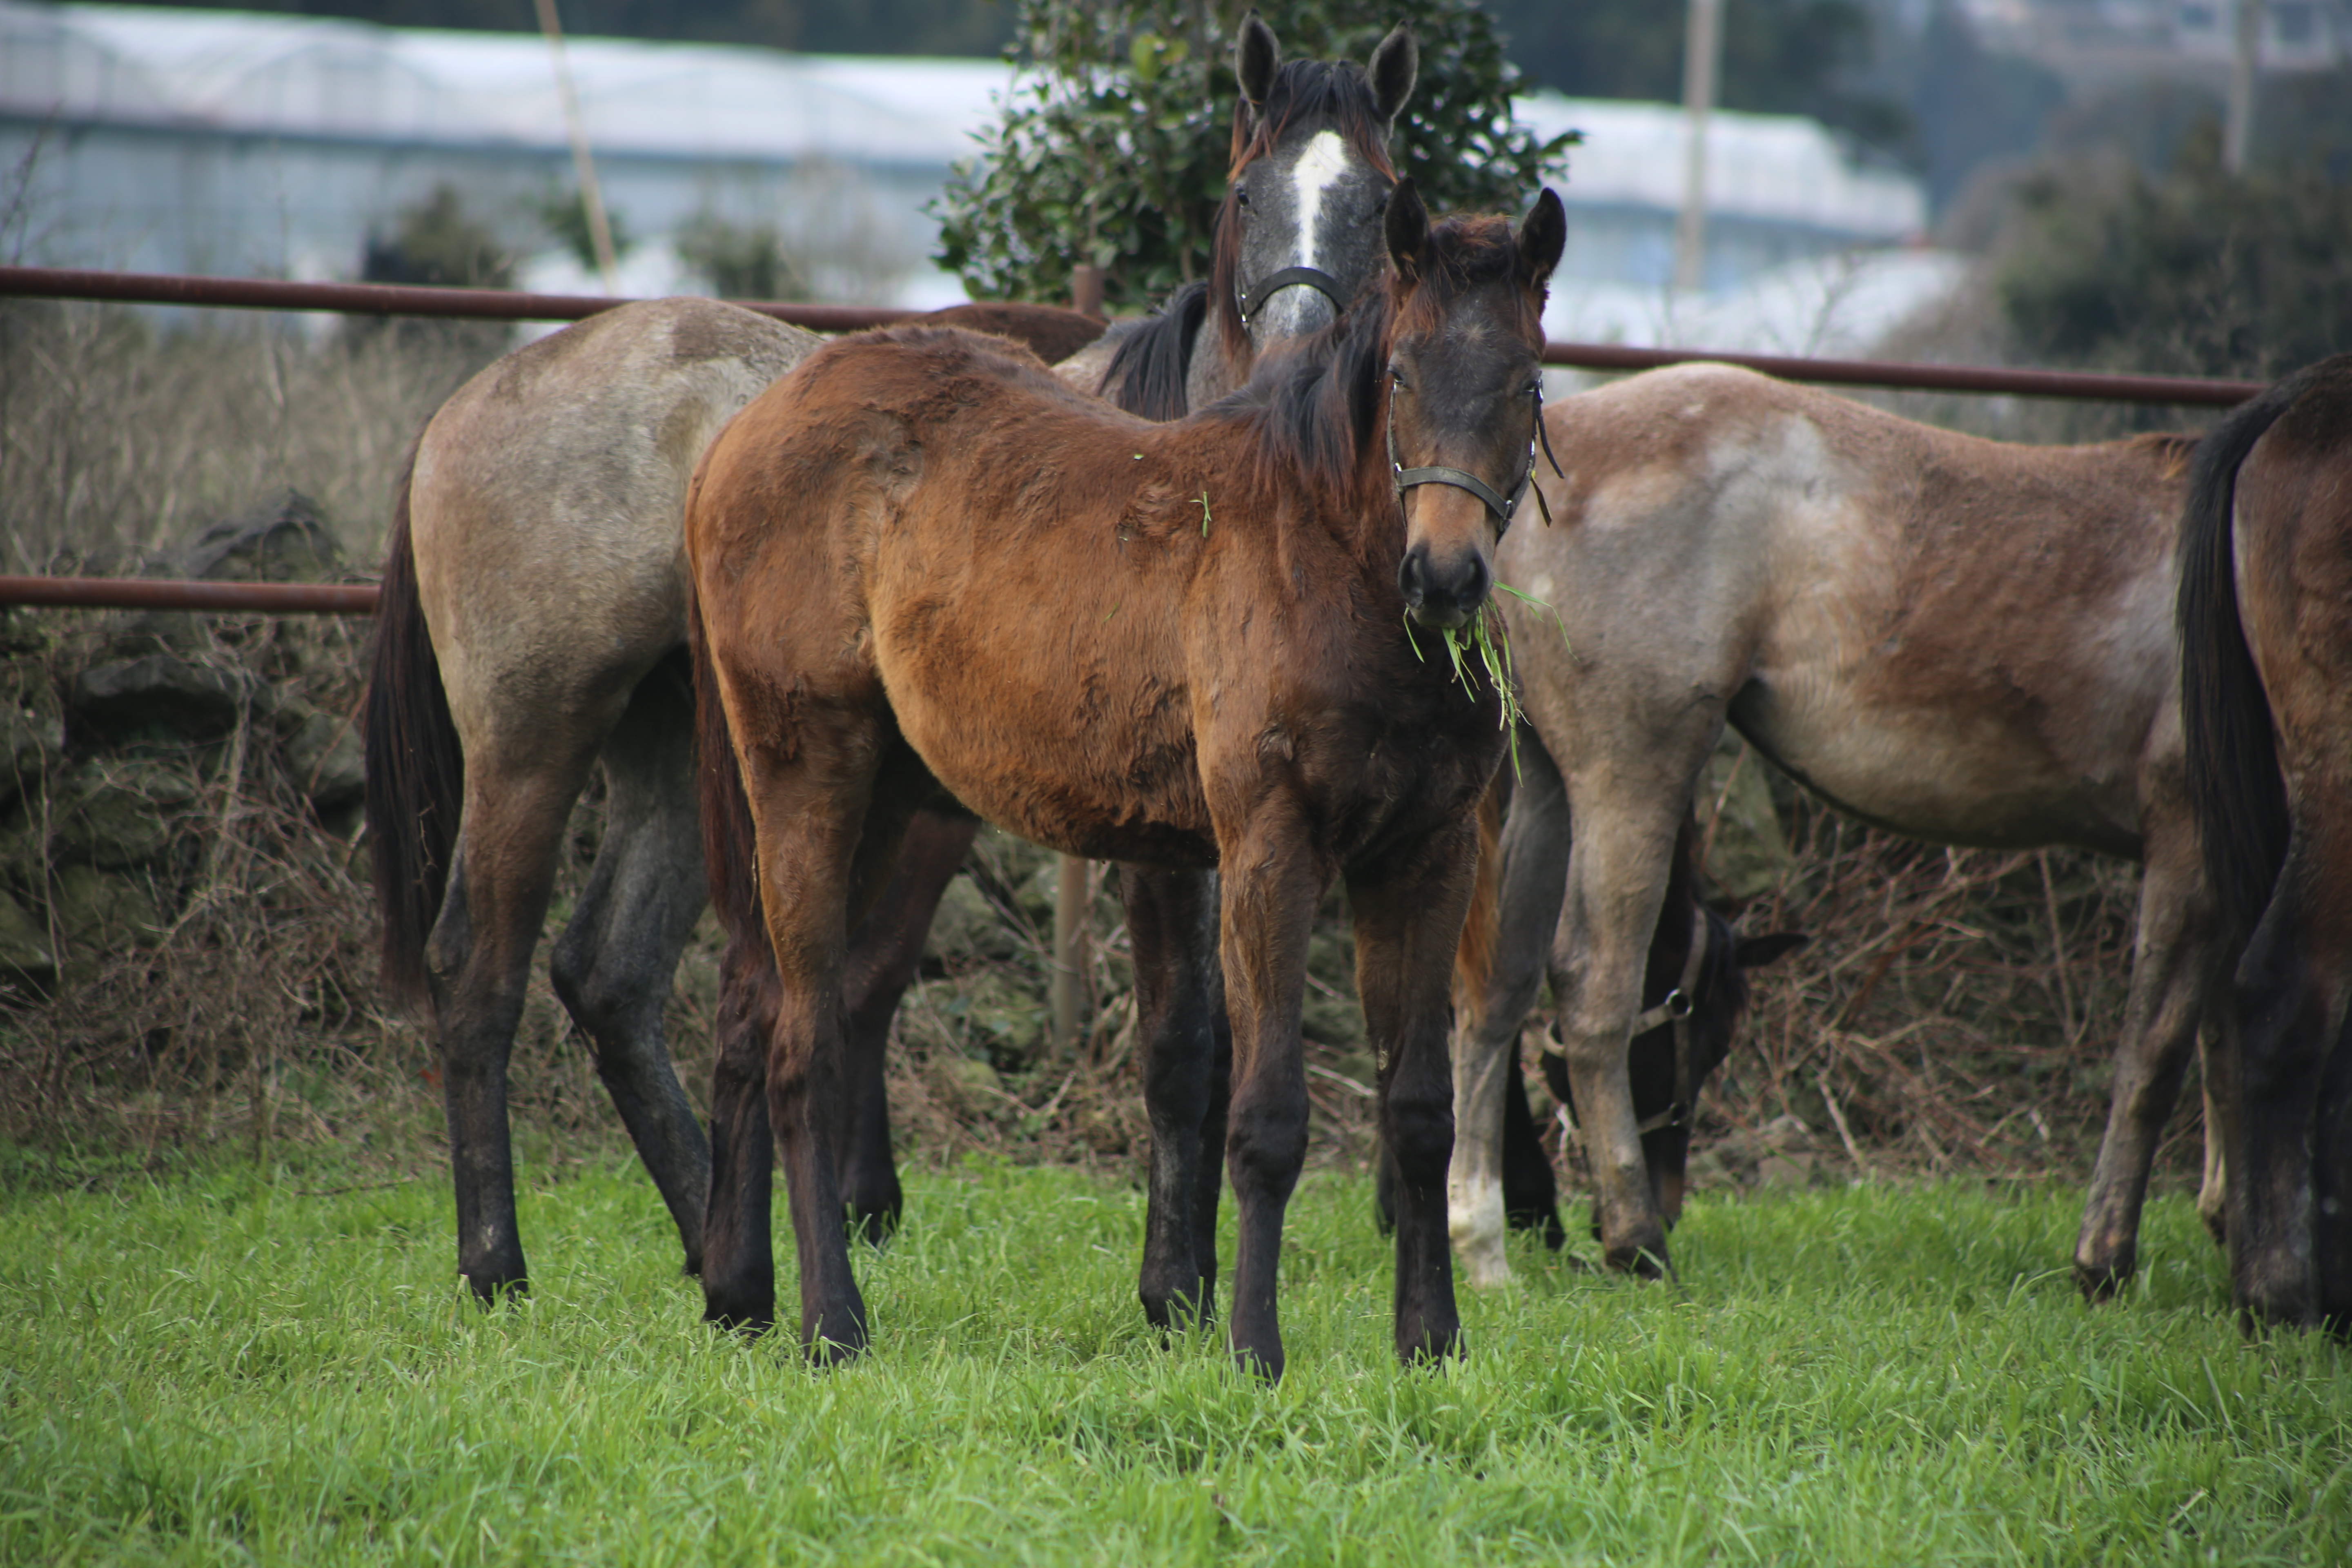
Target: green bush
2198, 272
1112, 147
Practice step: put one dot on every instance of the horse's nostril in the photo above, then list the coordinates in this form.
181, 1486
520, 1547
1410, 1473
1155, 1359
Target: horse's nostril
1474, 583
1410, 579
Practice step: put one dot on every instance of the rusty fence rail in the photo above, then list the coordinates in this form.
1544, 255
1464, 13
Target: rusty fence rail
500, 304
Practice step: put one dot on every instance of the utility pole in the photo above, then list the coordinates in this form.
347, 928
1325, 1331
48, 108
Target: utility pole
2245, 68
583, 167
1701, 62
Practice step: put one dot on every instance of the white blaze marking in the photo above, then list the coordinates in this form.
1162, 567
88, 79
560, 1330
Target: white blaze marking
1320, 167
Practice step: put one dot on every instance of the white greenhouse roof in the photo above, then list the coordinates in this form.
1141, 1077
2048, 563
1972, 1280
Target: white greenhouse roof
290, 76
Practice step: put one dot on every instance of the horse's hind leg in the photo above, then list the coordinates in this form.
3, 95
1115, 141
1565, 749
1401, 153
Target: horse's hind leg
1534, 876
613, 963
2170, 987
885, 952
830, 813
1169, 923
478, 964
2289, 1010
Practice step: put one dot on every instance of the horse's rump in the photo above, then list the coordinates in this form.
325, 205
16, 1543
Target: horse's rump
415, 771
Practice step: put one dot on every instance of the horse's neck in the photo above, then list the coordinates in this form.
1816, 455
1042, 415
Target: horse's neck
1212, 373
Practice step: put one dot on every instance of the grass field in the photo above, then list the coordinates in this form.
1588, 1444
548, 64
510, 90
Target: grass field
235, 1367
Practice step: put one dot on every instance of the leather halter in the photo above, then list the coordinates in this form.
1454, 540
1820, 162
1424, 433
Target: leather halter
1675, 1009
1254, 298
1403, 479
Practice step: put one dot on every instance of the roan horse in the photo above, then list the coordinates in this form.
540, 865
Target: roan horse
534, 623
1962, 640
922, 564
2265, 618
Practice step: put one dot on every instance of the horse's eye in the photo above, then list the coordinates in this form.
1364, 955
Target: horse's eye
1397, 375
1241, 196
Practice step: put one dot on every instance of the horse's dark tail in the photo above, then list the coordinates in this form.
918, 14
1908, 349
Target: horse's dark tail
1147, 375
416, 772
729, 843
2236, 793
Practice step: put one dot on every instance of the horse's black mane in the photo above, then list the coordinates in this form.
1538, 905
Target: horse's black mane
1148, 373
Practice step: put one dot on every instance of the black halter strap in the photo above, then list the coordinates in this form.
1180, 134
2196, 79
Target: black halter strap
1255, 297
1404, 478
1676, 1010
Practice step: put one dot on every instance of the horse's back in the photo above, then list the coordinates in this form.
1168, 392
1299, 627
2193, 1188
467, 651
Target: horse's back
1963, 639
548, 496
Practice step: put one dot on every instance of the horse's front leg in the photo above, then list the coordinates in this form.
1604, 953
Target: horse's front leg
1531, 876
1270, 885
1617, 871
1408, 905
1170, 923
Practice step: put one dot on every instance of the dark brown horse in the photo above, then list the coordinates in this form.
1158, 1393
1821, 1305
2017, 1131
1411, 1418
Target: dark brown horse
1298, 237
2265, 617
922, 564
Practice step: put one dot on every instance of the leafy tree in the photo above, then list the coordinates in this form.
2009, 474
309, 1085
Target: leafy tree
2201, 272
1113, 145
1780, 56
437, 241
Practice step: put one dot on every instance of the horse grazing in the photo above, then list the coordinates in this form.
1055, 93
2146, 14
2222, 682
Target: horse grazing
1694, 991
1297, 235
923, 564
533, 626
1962, 640
2265, 619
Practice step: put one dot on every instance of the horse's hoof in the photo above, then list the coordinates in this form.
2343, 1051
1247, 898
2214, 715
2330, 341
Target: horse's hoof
1260, 1363
2100, 1281
1642, 1260
742, 1312
833, 1350
1180, 1311
1430, 1347
491, 1287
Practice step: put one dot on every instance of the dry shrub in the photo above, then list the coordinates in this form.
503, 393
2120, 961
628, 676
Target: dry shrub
118, 437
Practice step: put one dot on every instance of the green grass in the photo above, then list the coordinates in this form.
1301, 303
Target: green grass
219, 1368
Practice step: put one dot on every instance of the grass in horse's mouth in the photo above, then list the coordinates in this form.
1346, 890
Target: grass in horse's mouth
1486, 642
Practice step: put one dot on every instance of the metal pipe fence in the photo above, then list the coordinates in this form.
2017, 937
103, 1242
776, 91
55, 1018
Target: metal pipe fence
499, 304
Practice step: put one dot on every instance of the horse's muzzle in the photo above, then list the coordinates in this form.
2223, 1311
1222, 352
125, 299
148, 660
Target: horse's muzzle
1442, 596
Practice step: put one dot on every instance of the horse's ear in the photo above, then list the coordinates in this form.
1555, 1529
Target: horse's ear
1542, 238
1407, 230
1755, 951
1393, 67
1256, 56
